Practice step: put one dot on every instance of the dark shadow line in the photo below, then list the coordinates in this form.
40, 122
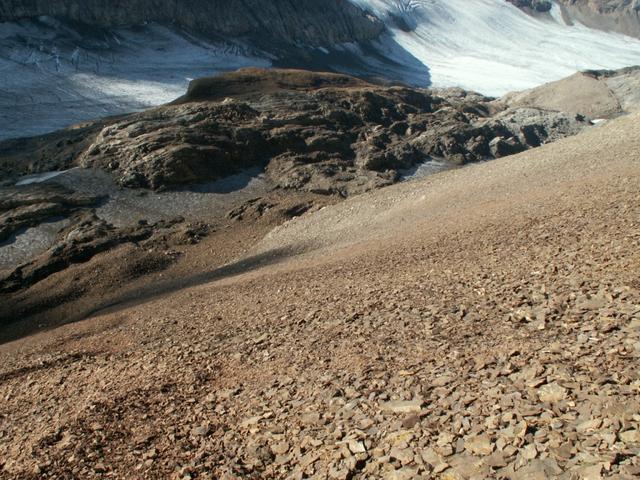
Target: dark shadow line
13, 328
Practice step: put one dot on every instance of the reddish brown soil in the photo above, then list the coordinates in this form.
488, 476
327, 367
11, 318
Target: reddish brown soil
482, 323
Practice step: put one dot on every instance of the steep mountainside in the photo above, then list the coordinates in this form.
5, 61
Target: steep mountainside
302, 21
493, 47
68, 61
621, 16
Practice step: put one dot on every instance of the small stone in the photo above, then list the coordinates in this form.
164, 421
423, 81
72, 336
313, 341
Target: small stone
356, 447
366, 423
411, 421
280, 448
445, 438
589, 426
430, 456
312, 418
403, 406
496, 460
530, 452
442, 381
630, 436
402, 474
564, 451
404, 455
441, 467
552, 393
451, 474
200, 431
593, 472
480, 445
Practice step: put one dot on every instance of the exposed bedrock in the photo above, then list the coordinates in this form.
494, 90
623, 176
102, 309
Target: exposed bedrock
323, 133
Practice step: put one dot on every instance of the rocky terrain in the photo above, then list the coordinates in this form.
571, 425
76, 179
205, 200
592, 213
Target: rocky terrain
537, 6
324, 133
480, 323
255, 280
133, 184
622, 16
597, 94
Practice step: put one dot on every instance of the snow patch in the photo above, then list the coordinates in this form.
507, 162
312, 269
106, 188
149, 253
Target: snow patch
38, 178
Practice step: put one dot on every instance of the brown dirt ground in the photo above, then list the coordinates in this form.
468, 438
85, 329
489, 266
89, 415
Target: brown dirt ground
481, 323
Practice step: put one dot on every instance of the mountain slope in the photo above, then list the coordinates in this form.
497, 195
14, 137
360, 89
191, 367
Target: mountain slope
621, 16
68, 61
597, 94
481, 323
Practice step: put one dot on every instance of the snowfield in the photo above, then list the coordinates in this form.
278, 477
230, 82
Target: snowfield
492, 47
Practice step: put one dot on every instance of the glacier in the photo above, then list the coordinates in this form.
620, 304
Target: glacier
492, 47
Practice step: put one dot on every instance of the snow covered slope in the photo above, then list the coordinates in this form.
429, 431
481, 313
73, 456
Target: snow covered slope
493, 47
54, 75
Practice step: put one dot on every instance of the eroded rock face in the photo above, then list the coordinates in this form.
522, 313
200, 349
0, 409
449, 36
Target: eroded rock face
302, 21
621, 16
335, 135
90, 236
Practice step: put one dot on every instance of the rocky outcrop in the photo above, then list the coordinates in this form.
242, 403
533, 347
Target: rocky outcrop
301, 22
532, 5
90, 236
322, 133
31, 205
597, 94
622, 16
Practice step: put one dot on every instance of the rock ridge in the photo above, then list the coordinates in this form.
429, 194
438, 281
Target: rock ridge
302, 22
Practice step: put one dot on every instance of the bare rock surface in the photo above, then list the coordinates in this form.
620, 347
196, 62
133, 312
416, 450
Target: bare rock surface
305, 22
622, 16
23, 207
619, 16
534, 6
596, 94
481, 323
316, 132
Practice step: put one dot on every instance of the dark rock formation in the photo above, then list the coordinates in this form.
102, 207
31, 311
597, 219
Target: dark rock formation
322, 133
28, 206
533, 5
622, 16
301, 22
